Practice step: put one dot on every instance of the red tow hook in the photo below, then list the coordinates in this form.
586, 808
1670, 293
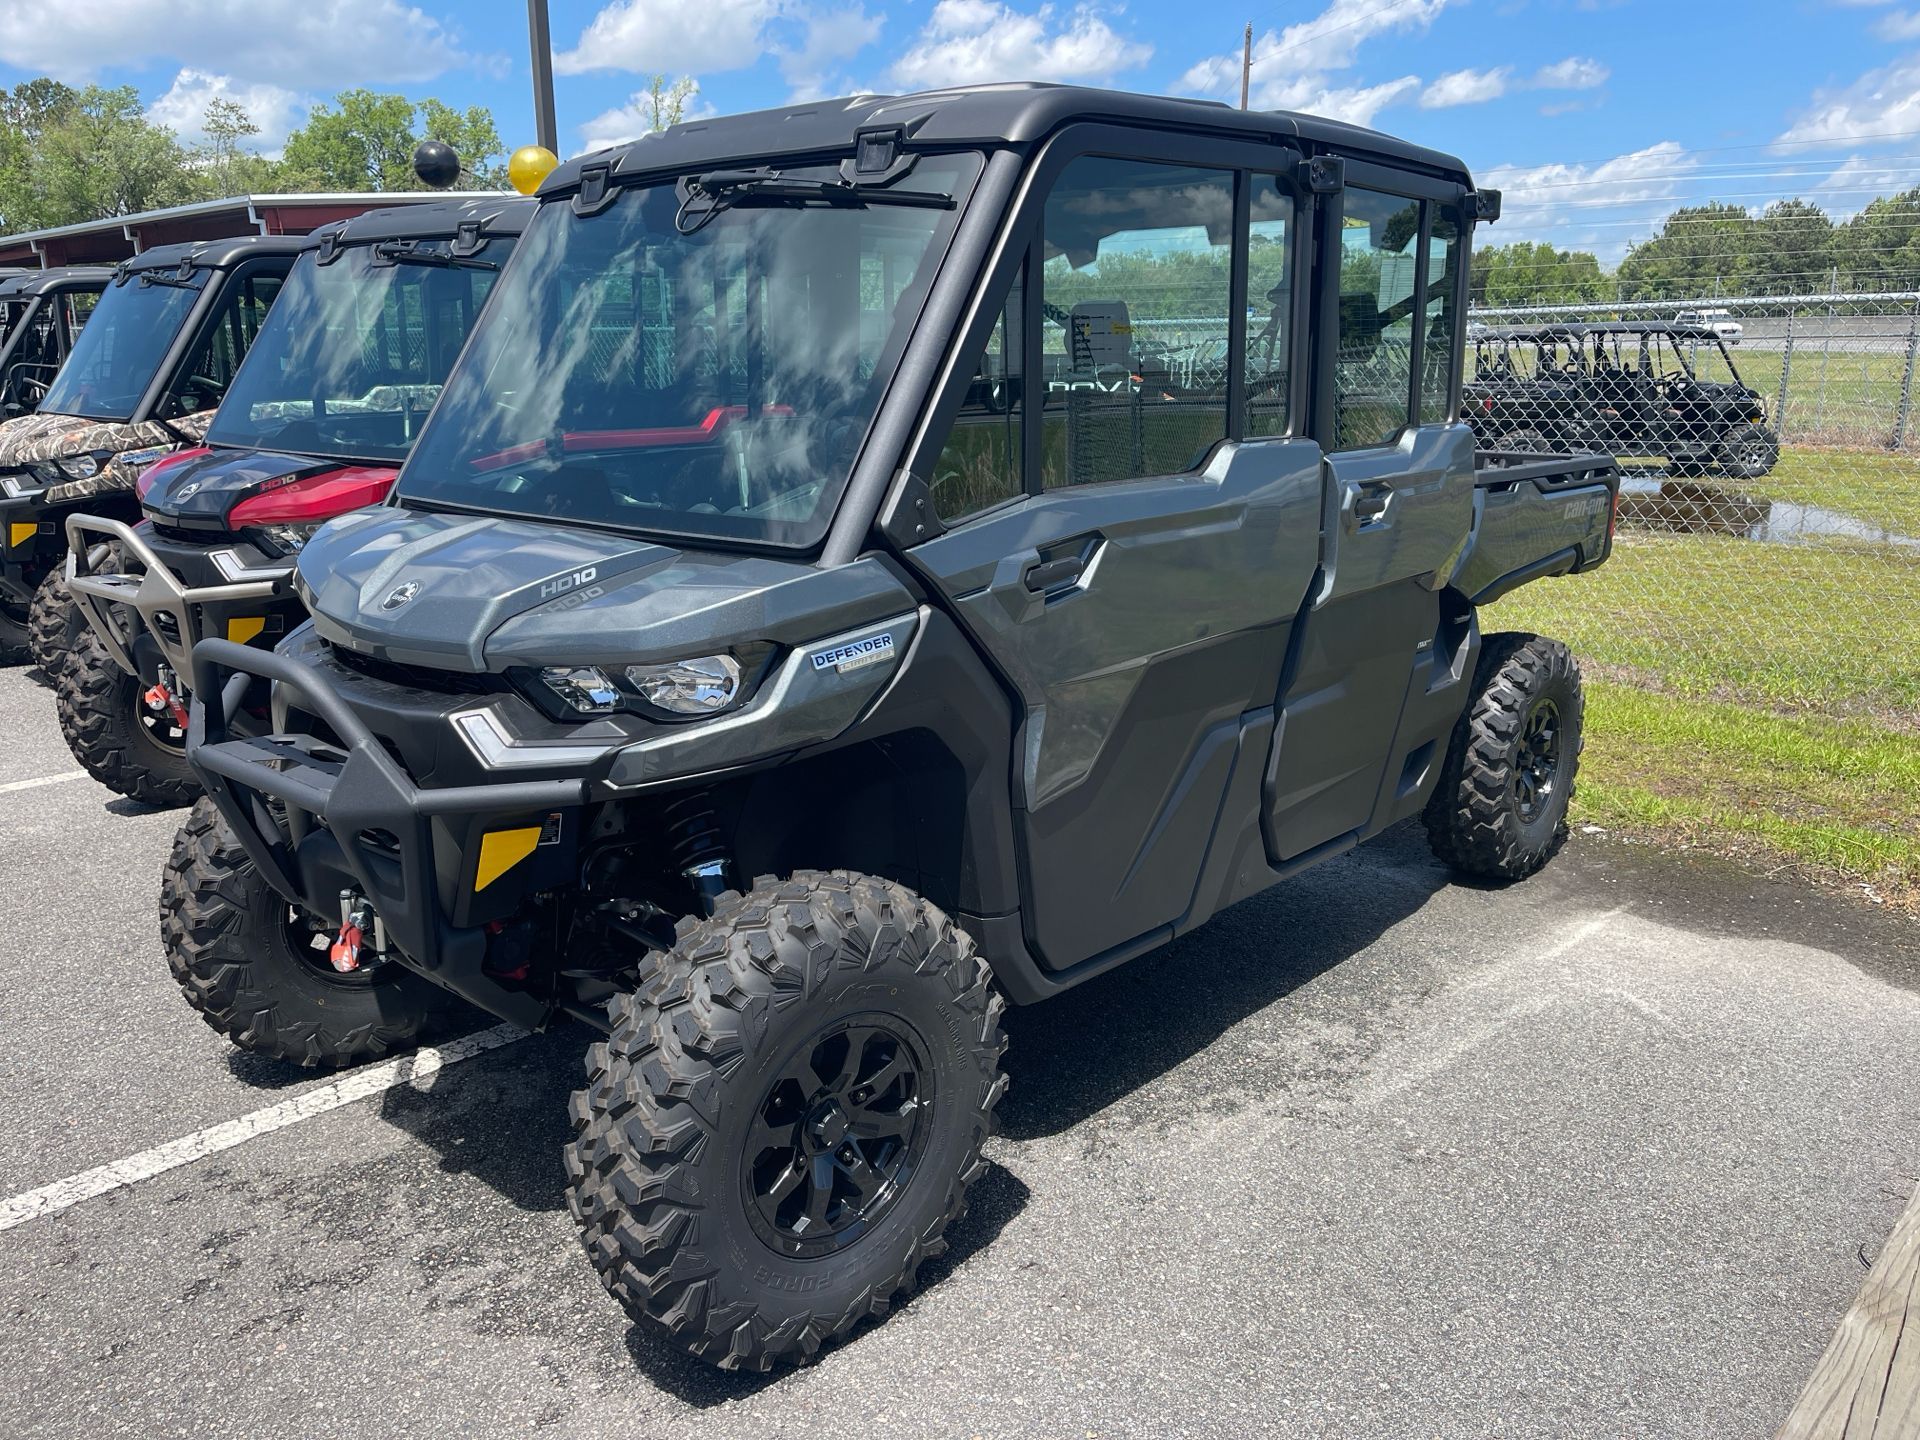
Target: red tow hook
161, 695
344, 953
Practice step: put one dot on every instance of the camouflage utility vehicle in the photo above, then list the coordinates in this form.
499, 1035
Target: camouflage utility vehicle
143, 379
798, 633
41, 312
1637, 389
316, 422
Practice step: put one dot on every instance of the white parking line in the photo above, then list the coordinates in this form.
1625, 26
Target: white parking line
61, 1194
59, 779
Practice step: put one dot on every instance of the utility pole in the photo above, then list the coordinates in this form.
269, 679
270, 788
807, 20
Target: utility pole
546, 129
1246, 64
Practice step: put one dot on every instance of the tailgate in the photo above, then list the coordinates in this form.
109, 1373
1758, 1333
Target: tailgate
1536, 515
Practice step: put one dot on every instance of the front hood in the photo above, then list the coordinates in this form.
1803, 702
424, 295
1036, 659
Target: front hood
485, 593
199, 493
40, 436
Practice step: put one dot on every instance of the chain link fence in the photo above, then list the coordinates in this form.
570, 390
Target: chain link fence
1768, 549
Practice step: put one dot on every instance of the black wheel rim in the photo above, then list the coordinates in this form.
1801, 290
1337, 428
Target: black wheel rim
838, 1134
155, 718
311, 941
1536, 770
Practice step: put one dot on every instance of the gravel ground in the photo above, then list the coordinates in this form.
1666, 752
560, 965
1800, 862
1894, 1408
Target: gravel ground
1372, 1155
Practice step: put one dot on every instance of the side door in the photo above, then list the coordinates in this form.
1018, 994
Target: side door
1379, 662
225, 332
1130, 518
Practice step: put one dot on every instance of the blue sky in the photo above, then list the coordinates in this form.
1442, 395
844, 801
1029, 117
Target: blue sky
1596, 116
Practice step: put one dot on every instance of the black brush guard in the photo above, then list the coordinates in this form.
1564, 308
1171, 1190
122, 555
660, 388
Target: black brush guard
350, 815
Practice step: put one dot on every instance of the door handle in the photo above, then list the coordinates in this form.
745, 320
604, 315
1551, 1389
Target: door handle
1371, 504
1051, 574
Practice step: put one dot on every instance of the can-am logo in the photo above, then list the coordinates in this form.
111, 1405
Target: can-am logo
400, 595
569, 582
188, 491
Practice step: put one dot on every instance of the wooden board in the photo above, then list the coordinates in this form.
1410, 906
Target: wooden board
1867, 1384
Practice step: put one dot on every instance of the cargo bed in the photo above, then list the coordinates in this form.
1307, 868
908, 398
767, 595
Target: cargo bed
1536, 515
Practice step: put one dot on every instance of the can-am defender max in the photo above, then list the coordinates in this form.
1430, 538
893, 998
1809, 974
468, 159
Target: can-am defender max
319, 416
143, 379
41, 315
808, 622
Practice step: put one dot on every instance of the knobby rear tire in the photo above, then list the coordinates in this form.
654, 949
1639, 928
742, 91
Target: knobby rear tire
99, 705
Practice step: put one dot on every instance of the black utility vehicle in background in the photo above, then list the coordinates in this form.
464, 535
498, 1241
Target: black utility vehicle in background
1636, 389
41, 313
143, 379
330, 397
803, 628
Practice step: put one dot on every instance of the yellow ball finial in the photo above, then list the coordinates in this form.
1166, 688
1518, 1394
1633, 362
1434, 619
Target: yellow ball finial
528, 166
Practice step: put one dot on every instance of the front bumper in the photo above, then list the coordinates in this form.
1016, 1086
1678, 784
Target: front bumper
319, 817
153, 599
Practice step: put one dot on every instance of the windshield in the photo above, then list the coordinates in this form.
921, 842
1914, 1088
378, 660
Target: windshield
714, 383
115, 357
353, 353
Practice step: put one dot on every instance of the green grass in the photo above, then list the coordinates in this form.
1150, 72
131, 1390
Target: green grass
1832, 795
1879, 486
1843, 396
1833, 628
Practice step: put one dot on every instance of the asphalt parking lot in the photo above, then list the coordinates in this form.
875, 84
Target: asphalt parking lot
1372, 1155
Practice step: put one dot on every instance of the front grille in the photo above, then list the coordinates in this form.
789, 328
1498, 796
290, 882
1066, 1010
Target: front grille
417, 677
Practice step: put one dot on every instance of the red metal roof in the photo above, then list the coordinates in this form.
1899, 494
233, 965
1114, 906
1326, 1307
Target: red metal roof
102, 242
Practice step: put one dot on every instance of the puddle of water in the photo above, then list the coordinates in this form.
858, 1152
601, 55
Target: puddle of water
1687, 507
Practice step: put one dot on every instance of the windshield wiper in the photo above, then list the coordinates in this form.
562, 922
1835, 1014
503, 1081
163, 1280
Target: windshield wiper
725, 189
172, 281
405, 252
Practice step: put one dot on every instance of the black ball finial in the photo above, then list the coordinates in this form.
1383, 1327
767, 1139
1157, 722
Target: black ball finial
436, 164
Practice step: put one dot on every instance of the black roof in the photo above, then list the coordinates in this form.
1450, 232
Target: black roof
501, 215
1562, 331
214, 254
1018, 115
21, 284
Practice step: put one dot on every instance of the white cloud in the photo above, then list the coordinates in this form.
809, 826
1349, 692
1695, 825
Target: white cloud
1285, 61
1466, 87
300, 42
1881, 102
1576, 72
968, 42
651, 37
1900, 25
183, 109
827, 38
1584, 206
634, 119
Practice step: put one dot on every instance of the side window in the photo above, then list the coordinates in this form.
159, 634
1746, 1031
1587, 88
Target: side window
230, 330
1373, 372
1269, 305
1135, 319
980, 463
1443, 274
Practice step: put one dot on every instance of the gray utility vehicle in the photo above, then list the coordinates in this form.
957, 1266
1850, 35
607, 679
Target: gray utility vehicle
143, 379
736, 672
1634, 388
319, 416
41, 312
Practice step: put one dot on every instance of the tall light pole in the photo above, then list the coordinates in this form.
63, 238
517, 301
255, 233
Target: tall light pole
545, 128
1246, 62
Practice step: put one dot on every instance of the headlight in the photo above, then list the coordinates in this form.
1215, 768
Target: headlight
286, 539
688, 687
585, 688
667, 690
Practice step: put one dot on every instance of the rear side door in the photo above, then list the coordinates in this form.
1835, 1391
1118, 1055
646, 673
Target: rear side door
1364, 711
226, 330
1130, 514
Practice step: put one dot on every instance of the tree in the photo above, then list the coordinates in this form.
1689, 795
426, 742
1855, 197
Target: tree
666, 104
1879, 249
365, 141
1698, 251
222, 164
1789, 250
1535, 273
84, 155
